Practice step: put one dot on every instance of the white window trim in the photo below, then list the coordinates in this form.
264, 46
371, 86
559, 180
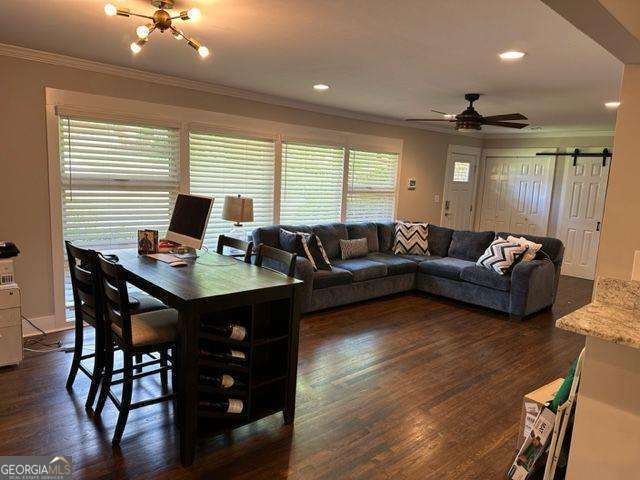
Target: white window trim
185, 119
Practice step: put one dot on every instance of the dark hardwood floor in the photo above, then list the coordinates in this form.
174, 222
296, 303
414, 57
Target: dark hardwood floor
409, 386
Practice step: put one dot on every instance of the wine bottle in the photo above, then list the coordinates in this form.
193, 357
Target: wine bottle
230, 355
228, 405
221, 381
230, 330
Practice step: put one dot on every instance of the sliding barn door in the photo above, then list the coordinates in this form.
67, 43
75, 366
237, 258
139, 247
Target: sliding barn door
516, 191
581, 208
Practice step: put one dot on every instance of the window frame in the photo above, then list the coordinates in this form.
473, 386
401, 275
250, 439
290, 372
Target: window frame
185, 120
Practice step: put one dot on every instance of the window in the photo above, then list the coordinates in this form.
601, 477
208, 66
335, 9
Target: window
311, 189
116, 178
223, 165
372, 185
461, 172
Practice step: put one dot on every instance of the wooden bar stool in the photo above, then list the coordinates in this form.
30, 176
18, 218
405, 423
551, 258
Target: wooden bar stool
89, 308
135, 334
224, 241
277, 256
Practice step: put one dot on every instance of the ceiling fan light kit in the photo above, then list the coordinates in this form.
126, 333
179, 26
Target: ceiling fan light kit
470, 120
161, 20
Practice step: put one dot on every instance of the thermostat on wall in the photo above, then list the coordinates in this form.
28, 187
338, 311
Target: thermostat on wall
412, 184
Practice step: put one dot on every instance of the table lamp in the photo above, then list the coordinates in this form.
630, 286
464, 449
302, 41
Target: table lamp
238, 209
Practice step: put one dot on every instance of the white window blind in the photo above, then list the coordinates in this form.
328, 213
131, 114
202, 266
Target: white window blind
116, 178
372, 185
311, 189
229, 165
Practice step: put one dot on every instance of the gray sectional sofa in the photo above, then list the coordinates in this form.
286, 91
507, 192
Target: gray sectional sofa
450, 269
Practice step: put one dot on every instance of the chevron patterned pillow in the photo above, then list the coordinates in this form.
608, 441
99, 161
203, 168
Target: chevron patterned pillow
502, 255
411, 238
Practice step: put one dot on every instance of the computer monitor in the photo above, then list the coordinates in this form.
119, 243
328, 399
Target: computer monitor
189, 220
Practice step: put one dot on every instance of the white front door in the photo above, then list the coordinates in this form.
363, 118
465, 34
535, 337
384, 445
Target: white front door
460, 187
582, 204
516, 191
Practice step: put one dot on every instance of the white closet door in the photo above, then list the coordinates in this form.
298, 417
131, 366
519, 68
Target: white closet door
496, 202
532, 184
516, 191
581, 208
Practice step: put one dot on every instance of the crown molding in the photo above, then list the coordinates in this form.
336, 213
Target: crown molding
550, 134
24, 53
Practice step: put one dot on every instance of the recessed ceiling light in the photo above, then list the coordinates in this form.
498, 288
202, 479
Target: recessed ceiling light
321, 87
512, 55
612, 105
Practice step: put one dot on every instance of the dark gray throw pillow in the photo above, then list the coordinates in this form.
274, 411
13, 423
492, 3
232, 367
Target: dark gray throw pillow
290, 242
356, 248
467, 245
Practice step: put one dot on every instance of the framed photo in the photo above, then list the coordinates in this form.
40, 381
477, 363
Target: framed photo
147, 241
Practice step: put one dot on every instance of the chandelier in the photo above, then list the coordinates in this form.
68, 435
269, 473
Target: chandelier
160, 20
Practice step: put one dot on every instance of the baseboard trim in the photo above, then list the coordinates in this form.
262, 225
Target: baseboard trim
46, 323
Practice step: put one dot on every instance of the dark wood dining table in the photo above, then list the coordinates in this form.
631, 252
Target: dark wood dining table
207, 284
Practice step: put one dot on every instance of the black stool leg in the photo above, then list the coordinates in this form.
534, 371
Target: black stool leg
106, 376
126, 399
98, 367
77, 353
164, 378
139, 359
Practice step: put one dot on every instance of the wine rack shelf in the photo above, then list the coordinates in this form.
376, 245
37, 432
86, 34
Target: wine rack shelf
263, 374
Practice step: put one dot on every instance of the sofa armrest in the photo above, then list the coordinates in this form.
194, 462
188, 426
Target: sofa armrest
533, 286
304, 272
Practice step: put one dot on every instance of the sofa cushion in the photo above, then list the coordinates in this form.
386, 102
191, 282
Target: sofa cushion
331, 278
486, 278
330, 235
386, 233
366, 230
447, 267
551, 246
439, 240
396, 265
419, 258
362, 268
467, 245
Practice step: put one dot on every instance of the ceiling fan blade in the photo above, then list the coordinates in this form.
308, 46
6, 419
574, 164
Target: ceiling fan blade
438, 111
508, 116
506, 124
428, 120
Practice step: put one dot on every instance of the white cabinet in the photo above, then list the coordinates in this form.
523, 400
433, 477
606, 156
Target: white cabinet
10, 327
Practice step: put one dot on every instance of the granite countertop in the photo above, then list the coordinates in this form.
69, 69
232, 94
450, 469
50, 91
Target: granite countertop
614, 314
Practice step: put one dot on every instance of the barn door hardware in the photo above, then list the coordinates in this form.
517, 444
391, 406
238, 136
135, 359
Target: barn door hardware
577, 154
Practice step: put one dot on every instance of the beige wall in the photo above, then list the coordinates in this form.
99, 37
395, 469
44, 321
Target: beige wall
24, 210
620, 225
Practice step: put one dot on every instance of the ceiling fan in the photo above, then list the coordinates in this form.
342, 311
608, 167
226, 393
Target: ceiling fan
470, 119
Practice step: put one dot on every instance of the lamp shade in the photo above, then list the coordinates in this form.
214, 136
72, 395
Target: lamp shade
238, 209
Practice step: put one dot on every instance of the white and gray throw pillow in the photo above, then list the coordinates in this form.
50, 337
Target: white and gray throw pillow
502, 255
532, 247
314, 251
411, 238
356, 248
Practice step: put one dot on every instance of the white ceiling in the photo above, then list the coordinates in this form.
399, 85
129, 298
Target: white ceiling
389, 58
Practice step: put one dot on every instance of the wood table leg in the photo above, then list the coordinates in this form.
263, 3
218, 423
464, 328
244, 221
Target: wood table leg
290, 400
188, 378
